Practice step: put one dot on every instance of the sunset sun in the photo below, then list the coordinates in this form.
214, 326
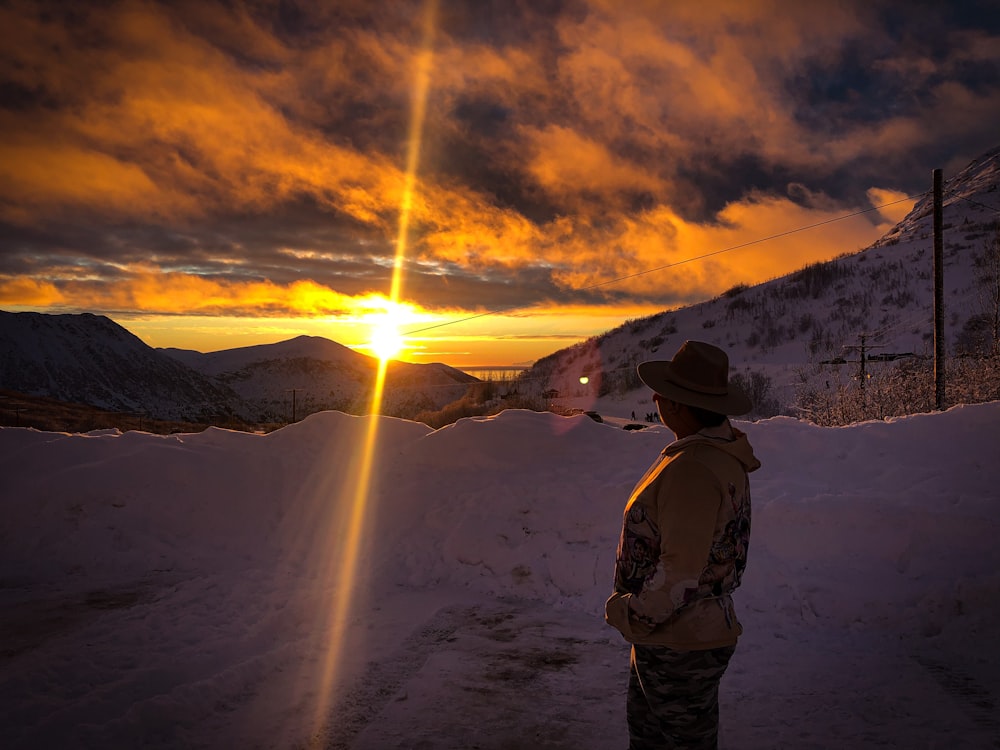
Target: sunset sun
386, 342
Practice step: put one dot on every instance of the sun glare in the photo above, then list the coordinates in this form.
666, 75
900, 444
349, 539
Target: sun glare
386, 341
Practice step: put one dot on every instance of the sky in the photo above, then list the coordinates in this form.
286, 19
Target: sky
492, 180
225, 589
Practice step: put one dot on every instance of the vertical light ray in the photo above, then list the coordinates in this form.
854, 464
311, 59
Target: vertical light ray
346, 565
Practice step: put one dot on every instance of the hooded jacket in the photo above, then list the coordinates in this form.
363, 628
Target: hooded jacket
683, 546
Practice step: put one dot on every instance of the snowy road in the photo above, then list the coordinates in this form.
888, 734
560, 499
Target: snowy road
508, 674
511, 676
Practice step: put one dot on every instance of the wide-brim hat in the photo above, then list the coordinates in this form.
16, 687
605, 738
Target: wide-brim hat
698, 375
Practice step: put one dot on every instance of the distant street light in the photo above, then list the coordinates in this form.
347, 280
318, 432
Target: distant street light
584, 380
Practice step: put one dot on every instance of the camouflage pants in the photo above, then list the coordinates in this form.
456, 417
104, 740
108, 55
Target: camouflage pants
673, 697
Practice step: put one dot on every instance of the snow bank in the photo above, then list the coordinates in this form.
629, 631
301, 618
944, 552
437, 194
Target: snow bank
195, 566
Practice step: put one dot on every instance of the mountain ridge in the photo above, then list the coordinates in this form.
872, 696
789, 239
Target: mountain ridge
89, 359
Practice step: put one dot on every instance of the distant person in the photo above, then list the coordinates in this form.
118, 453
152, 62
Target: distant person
682, 552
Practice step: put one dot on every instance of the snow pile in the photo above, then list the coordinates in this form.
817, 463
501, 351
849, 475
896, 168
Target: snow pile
192, 590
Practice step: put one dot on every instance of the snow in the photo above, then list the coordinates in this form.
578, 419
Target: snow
224, 589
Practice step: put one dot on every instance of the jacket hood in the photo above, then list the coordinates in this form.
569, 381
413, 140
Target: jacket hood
725, 438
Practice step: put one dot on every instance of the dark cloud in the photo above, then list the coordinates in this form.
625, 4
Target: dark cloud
503, 23
725, 177
475, 147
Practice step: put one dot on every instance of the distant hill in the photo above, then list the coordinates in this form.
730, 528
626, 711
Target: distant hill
301, 347
90, 359
878, 301
323, 375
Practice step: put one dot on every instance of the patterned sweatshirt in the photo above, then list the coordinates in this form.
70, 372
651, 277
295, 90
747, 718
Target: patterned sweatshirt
684, 542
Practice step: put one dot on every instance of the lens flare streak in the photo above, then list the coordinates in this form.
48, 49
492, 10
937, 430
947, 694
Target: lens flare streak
349, 585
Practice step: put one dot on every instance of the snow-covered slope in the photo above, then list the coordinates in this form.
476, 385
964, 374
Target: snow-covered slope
302, 347
90, 359
880, 298
323, 375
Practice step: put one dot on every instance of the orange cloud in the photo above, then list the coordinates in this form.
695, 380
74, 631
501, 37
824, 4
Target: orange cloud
745, 232
172, 130
21, 291
147, 290
563, 162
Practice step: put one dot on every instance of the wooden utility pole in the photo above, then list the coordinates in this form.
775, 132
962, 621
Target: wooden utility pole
938, 295
293, 391
864, 360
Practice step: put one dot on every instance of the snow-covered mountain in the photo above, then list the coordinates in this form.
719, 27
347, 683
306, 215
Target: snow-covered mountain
811, 326
90, 359
311, 373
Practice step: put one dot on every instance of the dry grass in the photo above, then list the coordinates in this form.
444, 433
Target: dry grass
50, 415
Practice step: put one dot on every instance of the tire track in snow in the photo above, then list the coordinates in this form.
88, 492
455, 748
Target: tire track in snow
503, 674
382, 679
977, 701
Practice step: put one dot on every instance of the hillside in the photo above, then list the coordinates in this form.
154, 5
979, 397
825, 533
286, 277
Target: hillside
808, 330
51, 415
90, 359
311, 373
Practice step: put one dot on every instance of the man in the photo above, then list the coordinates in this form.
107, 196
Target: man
682, 553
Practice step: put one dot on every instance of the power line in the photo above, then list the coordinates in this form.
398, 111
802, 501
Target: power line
676, 263
751, 242
877, 334
906, 322
973, 202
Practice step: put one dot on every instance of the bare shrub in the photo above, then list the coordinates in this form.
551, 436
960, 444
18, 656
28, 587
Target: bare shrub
814, 280
905, 387
988, 281
757, 386
468, 406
